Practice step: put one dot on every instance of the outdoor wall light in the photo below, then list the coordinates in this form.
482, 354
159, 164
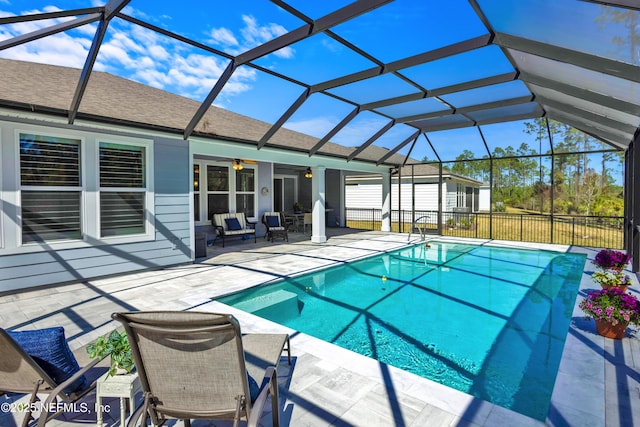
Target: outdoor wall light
237, 165
308, 174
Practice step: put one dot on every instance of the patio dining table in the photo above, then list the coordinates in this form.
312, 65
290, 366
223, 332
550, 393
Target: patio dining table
295, 219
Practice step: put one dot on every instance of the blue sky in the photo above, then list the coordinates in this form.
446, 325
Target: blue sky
401, 30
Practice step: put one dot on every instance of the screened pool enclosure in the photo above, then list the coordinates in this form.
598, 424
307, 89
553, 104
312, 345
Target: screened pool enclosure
538, 100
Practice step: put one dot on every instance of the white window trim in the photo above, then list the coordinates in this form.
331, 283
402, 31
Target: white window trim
254, 192
231, 192
204, 189
198, 192
149, 220
295, 188
89, 202
460, 195
53, 244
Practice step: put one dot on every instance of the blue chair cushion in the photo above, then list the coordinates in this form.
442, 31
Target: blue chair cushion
49, 349
273, 221
233, 224
254, 388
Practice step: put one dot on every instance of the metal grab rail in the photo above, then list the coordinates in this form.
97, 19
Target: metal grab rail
423, 231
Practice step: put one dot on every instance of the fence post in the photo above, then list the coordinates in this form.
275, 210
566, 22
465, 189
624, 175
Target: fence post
573, 230
521, 219
373, 219
476, 218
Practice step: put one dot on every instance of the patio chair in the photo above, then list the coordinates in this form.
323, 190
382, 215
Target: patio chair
195, 365
276, 225
307, 221
51, 369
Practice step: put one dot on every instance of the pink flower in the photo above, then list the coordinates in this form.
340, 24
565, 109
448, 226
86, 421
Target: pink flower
612, 305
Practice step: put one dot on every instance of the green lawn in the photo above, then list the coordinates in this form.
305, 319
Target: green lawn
525, 228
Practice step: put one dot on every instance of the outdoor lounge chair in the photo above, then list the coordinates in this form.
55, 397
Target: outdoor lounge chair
233, 225
195, 365
22, 373
276, 225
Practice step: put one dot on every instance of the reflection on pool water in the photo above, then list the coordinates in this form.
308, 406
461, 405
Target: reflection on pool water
487, 321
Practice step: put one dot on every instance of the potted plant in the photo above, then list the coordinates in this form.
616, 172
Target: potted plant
611, 279
609, 259
612, 310
116, 345
297, 208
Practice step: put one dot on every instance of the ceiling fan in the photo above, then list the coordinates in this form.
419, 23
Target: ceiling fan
237, 163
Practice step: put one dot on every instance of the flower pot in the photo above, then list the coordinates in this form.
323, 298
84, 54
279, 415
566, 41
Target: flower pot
608, 330
622, 288
121, 371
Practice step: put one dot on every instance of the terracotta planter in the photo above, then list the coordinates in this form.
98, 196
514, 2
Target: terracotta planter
608, 330
623, 288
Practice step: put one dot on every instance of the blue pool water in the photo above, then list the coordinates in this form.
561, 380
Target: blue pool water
487, 321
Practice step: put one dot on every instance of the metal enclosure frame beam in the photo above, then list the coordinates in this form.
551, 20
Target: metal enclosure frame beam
110, 10
587, 95
569, 56
48, 31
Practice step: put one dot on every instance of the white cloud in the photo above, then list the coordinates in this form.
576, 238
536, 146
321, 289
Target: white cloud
110, 53
223, 36
57, 49
251, 35
152, 77
317, 127
88, 30
135, 53
159, 53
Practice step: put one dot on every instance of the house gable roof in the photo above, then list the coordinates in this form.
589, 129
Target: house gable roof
49, 88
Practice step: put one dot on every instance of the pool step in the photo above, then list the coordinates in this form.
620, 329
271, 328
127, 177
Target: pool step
280, 304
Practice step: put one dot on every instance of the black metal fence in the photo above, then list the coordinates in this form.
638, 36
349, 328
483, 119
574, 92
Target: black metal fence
578, 230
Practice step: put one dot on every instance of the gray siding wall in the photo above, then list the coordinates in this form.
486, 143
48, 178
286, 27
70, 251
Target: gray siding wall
48, 266
265, 201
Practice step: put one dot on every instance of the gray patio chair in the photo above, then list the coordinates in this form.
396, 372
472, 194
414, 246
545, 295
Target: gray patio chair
276, 226
22, 373
195, 365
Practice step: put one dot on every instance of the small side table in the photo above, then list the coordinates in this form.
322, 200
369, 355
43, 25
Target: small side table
122, 386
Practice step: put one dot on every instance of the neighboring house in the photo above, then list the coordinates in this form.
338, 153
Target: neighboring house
120, 189
420, 192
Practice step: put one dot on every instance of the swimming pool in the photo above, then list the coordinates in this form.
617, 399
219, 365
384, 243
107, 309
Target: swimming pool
485, 320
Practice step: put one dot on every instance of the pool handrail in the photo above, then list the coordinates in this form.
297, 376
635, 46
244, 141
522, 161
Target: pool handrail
423, 232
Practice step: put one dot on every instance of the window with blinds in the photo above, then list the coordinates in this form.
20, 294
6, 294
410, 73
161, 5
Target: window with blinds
122, 189
50, 188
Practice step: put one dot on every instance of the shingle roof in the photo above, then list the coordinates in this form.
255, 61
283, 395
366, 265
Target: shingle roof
50, 88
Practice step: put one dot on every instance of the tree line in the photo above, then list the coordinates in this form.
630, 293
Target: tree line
578, 181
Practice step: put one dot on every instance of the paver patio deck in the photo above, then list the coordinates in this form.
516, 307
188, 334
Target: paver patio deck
597, 384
